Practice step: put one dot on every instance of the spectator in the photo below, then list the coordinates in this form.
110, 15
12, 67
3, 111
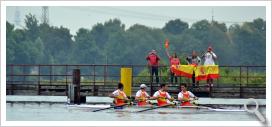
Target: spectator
153, 64
194, 60
174, 60
209, 59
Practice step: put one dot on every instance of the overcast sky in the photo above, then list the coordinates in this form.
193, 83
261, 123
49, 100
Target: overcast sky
78, 17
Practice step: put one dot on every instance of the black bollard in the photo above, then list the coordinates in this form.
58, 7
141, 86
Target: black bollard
76, 83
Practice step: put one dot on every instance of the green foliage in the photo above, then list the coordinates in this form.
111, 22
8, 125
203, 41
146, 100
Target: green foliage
232, 76
112, 43
175, 26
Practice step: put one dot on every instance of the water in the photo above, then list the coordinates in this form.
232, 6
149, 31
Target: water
60, 112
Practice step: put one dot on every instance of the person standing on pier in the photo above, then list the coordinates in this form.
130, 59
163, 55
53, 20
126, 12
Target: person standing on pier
185, 97
153, 64
119, 95
174, 60
194, 60
209, 59
142, 96
162, 95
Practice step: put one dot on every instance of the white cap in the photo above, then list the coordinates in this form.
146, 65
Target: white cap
142, 86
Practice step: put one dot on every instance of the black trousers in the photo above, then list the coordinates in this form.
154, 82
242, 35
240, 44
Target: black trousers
172, 77
154, 70
194, 83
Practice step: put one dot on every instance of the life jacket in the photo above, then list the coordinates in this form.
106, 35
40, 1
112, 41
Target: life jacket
162, 98
119, 100
143, 97
153, 59
186, 96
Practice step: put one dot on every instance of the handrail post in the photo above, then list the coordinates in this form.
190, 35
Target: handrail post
12, 85
247, 76
104, 75
151, 80
66, 79
94, 87
240, 81
160, 75
50, 71
132, 82
39, 80
24, 82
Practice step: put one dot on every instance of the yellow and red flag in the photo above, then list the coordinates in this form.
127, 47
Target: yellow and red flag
213, 71
206, 72
202, 72
183, 70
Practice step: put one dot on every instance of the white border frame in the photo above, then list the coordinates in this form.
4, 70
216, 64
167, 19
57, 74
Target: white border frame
4, 4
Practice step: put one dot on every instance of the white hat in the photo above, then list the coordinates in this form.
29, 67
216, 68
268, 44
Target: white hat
142, 86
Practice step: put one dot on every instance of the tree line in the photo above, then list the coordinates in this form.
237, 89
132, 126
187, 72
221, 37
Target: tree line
111, 43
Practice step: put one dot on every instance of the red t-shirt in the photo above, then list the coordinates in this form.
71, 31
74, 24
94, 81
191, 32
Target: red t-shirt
153, 59
173, 61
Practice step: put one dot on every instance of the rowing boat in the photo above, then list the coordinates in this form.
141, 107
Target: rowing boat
169, 109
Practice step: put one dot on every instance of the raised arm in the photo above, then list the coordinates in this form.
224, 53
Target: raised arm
188, 60
213, 55
167, 53
198, 60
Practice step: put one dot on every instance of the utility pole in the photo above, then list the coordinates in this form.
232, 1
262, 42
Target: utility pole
212, 14
45, 15
17, 17
212, 17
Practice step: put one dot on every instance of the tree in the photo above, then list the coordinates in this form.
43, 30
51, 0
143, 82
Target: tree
11, 43
101, 32
86, 48
32, 29
220, 26
202, 25
175, 26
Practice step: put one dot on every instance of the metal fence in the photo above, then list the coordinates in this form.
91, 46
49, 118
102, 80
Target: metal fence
103, 78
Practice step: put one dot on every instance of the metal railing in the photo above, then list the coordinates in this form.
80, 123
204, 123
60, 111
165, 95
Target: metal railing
38, 76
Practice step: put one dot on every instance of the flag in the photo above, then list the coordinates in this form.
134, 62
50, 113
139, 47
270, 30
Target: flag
213, 71
183, 70
166, 44
206, 72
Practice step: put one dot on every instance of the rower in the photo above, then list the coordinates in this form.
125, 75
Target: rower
185, 96
142, 96
162, 95
119, 95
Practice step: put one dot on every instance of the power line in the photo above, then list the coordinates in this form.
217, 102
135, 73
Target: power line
146, 16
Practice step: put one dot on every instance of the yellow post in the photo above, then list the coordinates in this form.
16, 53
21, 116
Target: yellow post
126, 79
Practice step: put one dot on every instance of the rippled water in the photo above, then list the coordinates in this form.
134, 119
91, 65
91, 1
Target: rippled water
60, 112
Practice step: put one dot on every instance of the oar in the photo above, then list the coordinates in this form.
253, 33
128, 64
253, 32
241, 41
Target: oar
109, 107
193, 102
154, 108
